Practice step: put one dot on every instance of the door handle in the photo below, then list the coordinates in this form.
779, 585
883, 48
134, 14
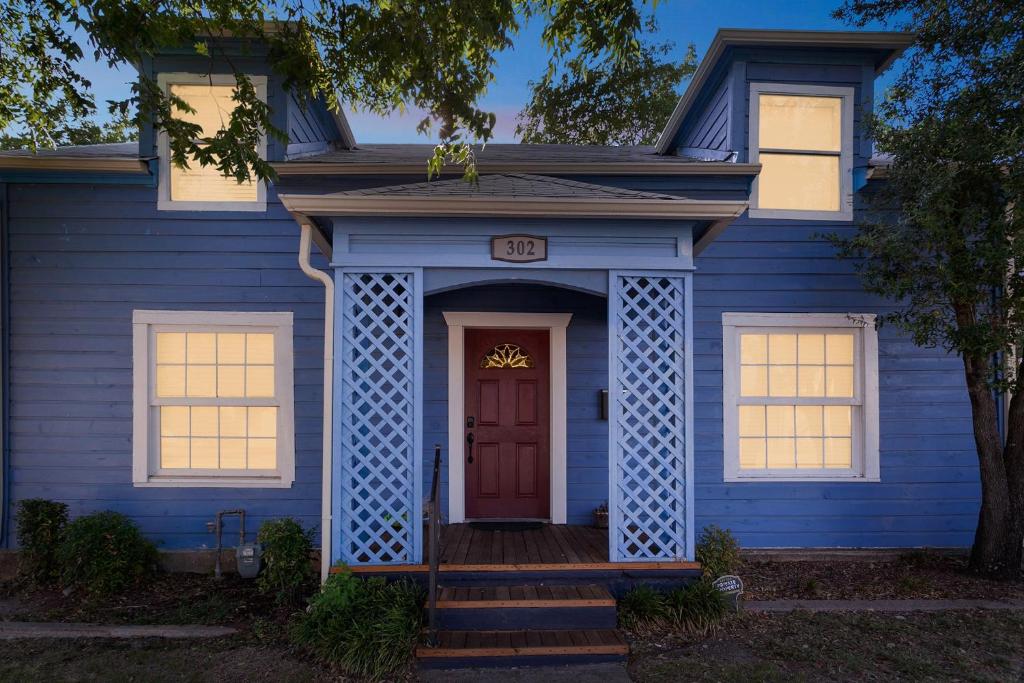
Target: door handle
469, 448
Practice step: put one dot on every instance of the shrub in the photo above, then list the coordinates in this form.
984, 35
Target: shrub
718, 552
104, 553
696, 609
41, 524
286, 566
368, 628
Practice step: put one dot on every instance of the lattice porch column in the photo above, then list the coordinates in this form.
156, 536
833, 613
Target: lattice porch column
378, 424
650, 416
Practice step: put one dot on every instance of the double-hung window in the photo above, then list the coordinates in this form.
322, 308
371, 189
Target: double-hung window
213, 399
800, 396
205, 188
802, 136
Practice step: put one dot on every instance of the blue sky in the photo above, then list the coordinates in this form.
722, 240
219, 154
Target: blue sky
681, 21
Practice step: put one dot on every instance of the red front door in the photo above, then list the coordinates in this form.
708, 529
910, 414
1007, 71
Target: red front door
507, 427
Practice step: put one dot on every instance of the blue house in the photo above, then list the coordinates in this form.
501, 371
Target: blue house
660, 329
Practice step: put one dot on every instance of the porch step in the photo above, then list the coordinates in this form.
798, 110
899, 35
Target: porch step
458, 649
526, 607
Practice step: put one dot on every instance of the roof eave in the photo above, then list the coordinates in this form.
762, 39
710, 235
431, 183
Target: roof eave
290, 168
495, 207
122, 165
894, 41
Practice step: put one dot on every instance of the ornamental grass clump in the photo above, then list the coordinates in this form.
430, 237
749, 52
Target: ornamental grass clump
40, 525
718, 552
366, 627
697, 609
104, 553
286, 558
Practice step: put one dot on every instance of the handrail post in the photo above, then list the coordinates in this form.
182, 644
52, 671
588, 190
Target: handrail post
435, 551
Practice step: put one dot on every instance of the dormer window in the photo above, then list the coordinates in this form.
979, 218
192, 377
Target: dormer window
204, 188
803, 138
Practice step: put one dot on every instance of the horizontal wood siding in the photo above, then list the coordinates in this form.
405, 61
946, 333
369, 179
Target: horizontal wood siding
587, 374
929, 489
82, 258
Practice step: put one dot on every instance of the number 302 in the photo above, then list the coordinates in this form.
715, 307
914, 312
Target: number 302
520, 248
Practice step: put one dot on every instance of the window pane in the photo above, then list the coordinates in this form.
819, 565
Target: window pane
231, 381
170, 380
780, 421
263, 422
259, 381
232, 454
753, 349
212, 103
754, 380
808, 421
812, 349
259, 349
838, 453
839, 349
809, 453
752, 421
262, 454
800, 122
811, 380
202, 347
752, 454
202, 380
781, 453
173, 453
204, 454
782, 349
840, 381
798, 181
782, 380
838, 421
174, 421
230, 349
232, 421
170, 347
204, 420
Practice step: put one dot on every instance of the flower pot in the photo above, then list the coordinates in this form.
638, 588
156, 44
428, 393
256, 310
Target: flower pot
600, 519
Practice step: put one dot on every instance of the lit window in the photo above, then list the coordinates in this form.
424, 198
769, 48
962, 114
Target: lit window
216, 393
800, 396
205, 187
802, 137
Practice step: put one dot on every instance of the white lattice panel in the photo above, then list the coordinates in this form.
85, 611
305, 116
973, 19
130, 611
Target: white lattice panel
648, 417
379, 469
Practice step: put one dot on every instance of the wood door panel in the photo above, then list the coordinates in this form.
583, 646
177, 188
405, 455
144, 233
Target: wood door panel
508, 465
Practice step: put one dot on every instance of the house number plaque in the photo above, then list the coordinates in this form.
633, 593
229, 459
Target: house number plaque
519, 248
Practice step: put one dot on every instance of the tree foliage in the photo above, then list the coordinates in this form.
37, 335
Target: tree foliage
375, 55
617, 103
945, 238
89, 132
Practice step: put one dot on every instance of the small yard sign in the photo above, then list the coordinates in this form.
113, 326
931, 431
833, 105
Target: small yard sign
732, 587
519, 248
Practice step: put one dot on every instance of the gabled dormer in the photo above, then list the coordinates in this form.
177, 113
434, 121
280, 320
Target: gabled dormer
794, 102
206, 82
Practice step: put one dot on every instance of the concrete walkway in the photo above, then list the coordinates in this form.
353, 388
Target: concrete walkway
878, 605
11, 630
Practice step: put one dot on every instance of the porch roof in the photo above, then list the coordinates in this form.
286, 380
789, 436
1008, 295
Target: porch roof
511, 195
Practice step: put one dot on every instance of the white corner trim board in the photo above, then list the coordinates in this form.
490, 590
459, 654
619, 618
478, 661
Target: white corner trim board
556, 324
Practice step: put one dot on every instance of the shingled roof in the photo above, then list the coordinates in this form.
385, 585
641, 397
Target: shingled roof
509, 186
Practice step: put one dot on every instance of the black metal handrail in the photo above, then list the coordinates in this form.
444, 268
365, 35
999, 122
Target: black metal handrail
435, 542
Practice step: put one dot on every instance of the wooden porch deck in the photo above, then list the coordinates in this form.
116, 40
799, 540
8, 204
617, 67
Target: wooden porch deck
553, 547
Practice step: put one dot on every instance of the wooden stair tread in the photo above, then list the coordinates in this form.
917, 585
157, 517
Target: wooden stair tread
526, 643
524, 596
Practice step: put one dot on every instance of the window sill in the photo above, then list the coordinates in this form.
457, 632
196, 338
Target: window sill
250, 207
845, 215
830, 479
215, 482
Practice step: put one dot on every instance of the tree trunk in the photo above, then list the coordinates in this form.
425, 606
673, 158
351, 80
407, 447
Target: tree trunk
997, 541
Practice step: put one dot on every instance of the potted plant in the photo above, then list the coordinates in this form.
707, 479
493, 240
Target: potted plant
601, 516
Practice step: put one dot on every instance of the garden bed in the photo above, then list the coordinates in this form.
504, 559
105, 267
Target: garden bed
916, 575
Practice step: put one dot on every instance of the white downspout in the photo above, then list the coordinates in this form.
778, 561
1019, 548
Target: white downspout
305, 242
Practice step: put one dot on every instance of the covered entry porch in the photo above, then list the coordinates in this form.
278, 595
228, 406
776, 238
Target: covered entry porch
395, 250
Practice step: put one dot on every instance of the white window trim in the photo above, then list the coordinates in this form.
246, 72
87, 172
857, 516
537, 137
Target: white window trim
865, 449
164, 201
846, 94
145, 450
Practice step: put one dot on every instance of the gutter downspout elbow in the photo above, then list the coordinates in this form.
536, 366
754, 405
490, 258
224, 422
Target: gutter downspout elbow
305, 245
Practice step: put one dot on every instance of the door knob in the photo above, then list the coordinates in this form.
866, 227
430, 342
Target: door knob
469, 448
